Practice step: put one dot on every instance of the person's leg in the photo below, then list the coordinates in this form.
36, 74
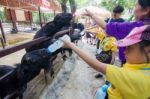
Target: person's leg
106, 97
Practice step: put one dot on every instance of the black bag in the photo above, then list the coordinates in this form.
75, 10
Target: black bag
104, 57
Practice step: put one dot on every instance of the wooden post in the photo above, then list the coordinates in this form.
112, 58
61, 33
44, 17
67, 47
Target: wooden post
40, 16
14, 29
73, 6
2, 42
2, 31
30, 18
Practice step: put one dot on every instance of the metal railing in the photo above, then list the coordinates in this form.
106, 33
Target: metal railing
15, 48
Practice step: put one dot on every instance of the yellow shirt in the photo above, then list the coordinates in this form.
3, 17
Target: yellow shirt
101, 36
95, 29
130, 82
107, 43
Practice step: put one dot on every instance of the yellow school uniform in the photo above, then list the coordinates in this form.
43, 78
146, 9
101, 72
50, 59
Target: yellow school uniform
107, 43
130, 82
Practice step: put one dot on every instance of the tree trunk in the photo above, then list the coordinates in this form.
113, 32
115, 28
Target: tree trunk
63, 5
72, 6
14, 29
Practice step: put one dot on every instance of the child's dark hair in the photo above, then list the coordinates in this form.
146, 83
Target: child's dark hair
145, 43
144, 3
118, 9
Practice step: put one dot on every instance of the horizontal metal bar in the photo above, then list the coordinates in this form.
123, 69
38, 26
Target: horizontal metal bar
7, 51
15, 48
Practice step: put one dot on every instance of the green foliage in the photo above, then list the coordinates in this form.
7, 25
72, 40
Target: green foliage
82, 3
2, 14
110, 4
45, 17
35, 17
48, 16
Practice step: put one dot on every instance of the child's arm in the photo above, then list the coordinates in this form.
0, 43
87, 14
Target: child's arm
95, 26
86, 31
89, 29
94, 63
99, 20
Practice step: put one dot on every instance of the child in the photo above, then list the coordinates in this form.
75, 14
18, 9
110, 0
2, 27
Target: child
107, 49
120, 30
132, 81
106, 45
116, 15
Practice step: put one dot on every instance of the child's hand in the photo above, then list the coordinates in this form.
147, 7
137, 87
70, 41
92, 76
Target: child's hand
87, 12
66, 40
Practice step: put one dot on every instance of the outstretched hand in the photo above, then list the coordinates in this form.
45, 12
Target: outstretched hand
66, 39
87, 12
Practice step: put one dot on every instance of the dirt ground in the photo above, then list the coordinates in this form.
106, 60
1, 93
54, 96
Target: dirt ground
81, 83
13, 39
